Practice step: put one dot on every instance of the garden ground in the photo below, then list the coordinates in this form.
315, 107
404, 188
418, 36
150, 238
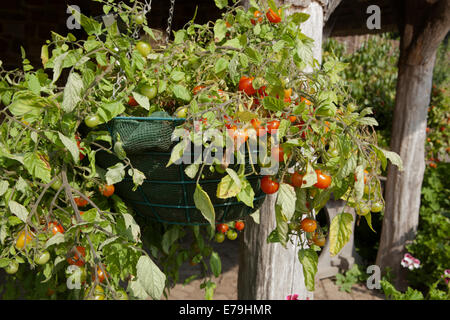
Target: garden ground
326, 289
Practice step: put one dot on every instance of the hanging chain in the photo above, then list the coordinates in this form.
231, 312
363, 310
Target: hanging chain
169, 20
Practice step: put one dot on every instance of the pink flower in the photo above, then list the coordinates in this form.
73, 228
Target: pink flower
410, 262
292, 297
446, 276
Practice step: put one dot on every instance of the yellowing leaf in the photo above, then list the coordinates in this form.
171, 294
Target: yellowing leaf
340, 232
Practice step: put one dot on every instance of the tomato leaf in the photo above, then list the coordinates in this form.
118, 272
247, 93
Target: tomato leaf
56, 239
181, 92
359, 183
228, 188
115, 173
107, 111
19, 210
309, 260
177, 152
71, 145
246, 195
216, 264
150, 281
142, 100
38, 166
340, 232
169, 237
132, 227
221, 65
221, 3
369, 221
273, 104
220, 30
282, 225
4, 185
203, 203
286, 199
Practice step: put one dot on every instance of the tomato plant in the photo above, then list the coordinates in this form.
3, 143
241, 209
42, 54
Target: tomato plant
231, 78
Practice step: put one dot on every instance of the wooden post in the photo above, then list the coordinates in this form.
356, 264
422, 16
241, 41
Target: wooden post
268, 270
425, 24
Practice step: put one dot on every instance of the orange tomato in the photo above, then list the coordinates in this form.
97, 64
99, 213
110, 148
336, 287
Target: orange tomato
106, 190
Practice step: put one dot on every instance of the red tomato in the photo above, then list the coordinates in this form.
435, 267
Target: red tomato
100, 274
260, 130
308, 225
132, 101
222, 227
278, 153
239, 225
197, 89
81, 202
106, 190
55, 227
246, 85
76, 260
269, 186
273, 125
297, 179
273, 17
307, 102
323, 180
258, 16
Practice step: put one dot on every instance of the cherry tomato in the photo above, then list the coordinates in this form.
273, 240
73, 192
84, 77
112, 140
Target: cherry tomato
258, 16
308, 225
260, 130
277, 153
269, 186
296, 179
197, 89
81, 202
181, 112
81, 155
365, 176
246, 85
231, 234
239, 225
57, 184
149, 91
55, 227
76, 260
21, 242
12, 267
377, 206
107, 190
273, 17
121, 294
306, 101
42, 257
92, 121
362, 209
222, 227
132, 101
144, 48
273, 125
319, 240
287, 94
98, 294
219, 237
139, 18
100, 274
323, 180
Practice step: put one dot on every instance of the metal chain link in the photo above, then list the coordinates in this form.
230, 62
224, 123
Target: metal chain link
169, 20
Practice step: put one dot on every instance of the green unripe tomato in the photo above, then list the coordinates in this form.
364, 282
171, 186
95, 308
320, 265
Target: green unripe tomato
220, 237
351, 107
12, 267
98, 294
92, 121
121, 294
366, 189
231, 234
42, 258
377, 206
144, 48
149, 91
362, 209
139, 18
220, 168
181, 112
56, 185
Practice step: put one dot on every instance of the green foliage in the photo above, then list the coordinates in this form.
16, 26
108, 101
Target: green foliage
353, 276
372, 77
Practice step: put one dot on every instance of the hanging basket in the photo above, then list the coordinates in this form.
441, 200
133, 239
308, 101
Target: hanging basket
167, 192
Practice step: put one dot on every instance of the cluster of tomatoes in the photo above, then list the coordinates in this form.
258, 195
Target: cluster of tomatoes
230, 230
